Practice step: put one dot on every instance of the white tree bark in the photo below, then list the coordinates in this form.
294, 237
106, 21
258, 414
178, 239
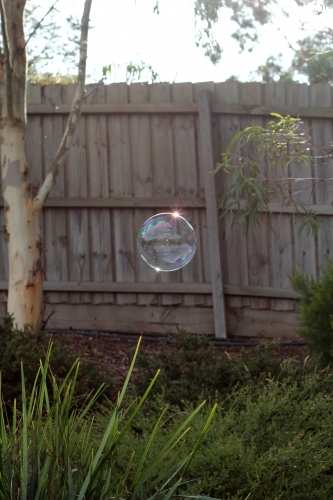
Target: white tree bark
22, 207
22, 231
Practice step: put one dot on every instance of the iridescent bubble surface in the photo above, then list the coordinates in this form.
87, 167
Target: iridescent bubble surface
167, 242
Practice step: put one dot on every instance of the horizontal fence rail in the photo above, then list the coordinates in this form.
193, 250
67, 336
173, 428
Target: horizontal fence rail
193, 288
178, 108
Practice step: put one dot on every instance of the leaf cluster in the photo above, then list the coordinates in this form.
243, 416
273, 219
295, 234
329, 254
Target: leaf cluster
247, 16
313, 59
46, 41
248, 165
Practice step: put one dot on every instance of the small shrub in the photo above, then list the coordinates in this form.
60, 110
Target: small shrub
30, 346
316, 312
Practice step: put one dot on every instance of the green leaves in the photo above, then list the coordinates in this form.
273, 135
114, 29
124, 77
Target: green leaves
255, 167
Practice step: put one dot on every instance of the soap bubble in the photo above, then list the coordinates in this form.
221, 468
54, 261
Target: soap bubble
167, 242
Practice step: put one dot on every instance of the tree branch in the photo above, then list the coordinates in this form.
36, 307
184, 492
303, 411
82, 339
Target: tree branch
74, 115
40, 22
8, 111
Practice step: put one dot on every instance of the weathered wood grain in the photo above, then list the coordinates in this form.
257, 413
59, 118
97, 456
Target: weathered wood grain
142, 175
191, 108
303, 191
187, 181
322, 133
281, 243
56, 238
147, 319
148, 288
136, 154
120, 176
258, 237
75, 171
268, 324
100, 225
235, 263
155, 319
126, 202
163, 168
205, 257
207, 164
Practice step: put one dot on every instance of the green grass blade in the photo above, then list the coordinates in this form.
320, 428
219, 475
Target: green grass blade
25, 424
137, 408
173, 489
147, 447
201, 437
160, 456
111, 430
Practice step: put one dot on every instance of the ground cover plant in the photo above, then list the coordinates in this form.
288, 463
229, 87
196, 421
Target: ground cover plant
48, 450
266, 444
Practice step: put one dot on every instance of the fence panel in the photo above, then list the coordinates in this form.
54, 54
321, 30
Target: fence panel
137, 152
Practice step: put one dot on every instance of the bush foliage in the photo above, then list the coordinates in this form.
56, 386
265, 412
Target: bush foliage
316, 312
272, 444
192, 369
30, 346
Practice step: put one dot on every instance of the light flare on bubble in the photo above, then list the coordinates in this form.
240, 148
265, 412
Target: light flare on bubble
167, 242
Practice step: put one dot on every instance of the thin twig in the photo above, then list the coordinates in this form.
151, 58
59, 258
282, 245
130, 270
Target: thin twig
73, 118
87, 94
40, 22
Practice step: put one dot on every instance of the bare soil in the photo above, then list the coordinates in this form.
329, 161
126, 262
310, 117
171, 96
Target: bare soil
116, 354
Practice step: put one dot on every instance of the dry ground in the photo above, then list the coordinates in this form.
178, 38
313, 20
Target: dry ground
116, 354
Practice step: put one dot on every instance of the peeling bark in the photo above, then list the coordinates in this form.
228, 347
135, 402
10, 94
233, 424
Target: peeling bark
23, 232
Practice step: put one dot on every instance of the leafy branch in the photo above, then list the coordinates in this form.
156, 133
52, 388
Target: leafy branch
248, 163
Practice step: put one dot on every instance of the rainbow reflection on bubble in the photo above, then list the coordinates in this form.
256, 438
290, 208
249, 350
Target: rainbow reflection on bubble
166, 242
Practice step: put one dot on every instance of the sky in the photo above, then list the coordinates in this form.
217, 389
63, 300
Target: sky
127, 31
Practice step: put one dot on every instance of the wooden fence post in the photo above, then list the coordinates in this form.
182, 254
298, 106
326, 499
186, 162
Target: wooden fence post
207, 164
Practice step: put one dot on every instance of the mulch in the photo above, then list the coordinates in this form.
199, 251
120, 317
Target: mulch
115, 354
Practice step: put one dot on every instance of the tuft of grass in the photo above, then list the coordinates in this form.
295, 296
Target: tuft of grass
48, 450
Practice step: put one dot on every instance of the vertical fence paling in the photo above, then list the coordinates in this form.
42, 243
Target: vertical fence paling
208, 165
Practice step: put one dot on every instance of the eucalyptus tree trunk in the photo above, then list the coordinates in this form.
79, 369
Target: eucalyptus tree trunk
22, 206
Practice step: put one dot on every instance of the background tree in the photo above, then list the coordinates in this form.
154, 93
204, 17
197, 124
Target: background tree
247, 16
23, 205
312, 61
47, 39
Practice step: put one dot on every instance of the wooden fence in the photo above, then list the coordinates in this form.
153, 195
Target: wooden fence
143, 149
